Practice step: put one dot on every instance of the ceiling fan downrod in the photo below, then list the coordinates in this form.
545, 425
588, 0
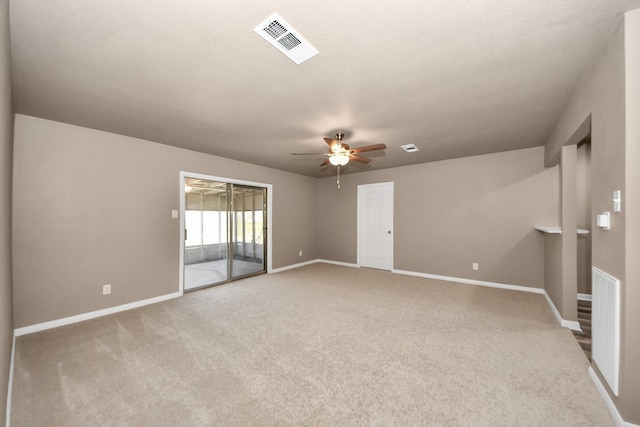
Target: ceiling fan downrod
339, 138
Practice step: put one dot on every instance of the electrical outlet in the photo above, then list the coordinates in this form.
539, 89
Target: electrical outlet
475, 266
106, 289
299, 253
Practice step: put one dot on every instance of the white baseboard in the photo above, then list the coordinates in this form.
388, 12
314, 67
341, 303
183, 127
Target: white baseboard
344, 264
10, 382
471, 281
292, 266
617, 418
111, 310
584, 297
91, 315
313, 261
425, 275
571, 324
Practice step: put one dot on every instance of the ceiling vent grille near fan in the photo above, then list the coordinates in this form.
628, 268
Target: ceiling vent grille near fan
283, 37
410, 148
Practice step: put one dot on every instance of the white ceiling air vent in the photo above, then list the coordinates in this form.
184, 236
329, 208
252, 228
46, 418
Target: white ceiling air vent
280, 34
410, 148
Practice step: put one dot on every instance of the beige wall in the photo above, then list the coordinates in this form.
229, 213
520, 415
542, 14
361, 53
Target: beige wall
584, 217
630, 399
6, 156
93, 207
602, 94
553, 269
449, 214
568, 305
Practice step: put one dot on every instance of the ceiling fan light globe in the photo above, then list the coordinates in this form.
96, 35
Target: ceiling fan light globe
339, 160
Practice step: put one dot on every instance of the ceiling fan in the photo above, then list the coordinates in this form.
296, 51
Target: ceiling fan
340, 153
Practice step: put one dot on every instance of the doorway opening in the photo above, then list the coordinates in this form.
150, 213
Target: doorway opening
583, 222
583, 211
224, 230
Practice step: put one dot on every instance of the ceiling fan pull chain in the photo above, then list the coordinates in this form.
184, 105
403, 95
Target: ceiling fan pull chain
338, 181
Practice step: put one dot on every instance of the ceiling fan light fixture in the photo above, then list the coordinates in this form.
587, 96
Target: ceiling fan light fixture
339, 159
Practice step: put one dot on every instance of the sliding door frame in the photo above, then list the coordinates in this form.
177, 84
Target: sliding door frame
183, 177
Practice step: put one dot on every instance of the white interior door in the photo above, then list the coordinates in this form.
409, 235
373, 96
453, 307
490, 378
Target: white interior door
375, 225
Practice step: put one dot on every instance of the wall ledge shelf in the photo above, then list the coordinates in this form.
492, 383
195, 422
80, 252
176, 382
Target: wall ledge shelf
558, 230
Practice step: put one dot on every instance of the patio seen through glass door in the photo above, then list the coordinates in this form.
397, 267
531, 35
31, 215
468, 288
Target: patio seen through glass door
224, 232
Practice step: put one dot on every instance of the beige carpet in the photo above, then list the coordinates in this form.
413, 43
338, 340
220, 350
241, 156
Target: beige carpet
319, 345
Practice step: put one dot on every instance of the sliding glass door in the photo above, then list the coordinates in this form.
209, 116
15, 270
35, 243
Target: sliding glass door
224, 232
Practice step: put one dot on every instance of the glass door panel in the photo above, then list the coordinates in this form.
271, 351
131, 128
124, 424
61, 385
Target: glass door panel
206, 223
248, 230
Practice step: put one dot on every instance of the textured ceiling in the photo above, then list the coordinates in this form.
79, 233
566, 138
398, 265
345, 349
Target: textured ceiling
456, 78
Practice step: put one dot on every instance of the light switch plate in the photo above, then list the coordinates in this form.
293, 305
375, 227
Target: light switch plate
617, 201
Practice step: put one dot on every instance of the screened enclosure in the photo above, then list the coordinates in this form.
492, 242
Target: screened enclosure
224, 232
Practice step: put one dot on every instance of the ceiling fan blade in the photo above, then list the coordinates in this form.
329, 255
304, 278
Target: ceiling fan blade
359, 159
326, 162
330, 142
373, 147
309, 154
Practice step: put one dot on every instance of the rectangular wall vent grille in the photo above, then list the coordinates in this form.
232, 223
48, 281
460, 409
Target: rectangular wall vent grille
606, 326
283, 37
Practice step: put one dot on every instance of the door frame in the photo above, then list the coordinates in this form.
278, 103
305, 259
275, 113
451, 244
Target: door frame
183, 177
360, 220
